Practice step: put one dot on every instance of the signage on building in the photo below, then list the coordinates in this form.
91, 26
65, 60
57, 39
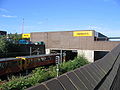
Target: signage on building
82, 33
26, 35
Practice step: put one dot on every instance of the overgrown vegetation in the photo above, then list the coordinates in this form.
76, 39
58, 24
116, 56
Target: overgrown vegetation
15, 37
41, 74
9, 46
7, 43
4, 45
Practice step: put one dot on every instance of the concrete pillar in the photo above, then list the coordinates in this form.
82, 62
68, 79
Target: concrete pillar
47, 51
88, 54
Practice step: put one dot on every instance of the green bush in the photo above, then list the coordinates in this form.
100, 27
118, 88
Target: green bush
42, 74
73, 64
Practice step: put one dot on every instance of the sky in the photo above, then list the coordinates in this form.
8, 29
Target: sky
60, 15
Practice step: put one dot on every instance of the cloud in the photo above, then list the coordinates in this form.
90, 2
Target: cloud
93, 27
8, 16
40, 22
4, 13
3, 10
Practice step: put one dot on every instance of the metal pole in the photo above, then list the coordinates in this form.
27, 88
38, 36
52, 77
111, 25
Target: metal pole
61, 55
57, 64
23, 26
30, 51
38, 51
57, 70
26, 72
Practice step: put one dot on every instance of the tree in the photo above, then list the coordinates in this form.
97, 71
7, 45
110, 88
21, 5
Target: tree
15, 37
3, 45
8, 44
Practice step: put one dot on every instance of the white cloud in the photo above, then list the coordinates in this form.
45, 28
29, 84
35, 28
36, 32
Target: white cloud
4, 13
3, 10
40, 22
8, 16
94, 27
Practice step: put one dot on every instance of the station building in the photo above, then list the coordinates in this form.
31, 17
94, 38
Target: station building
93, 45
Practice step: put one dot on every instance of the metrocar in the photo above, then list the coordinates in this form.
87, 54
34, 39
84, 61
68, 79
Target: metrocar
8, 65
11, 65
38, 60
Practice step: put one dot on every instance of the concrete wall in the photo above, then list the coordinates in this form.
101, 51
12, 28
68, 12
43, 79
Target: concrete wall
88, 54
66, 40
62, 40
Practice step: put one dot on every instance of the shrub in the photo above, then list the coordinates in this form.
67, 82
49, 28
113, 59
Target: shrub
73, 64
42, 74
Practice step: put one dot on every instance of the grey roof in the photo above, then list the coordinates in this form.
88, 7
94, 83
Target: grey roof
8, 59
36, 56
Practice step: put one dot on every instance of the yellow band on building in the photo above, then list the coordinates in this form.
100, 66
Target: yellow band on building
82, 33
26, 35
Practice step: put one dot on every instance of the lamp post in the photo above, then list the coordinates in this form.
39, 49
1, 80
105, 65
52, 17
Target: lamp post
57, 64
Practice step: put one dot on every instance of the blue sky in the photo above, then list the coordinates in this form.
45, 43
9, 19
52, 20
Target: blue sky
60, 15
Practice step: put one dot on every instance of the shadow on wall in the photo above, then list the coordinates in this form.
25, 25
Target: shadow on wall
99, 54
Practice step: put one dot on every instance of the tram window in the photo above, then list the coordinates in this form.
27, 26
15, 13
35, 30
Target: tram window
36, 60
32, 59
28, 61
9, 64
52, 58
23, 62
46, 58
39, 59
18, 62
12, 63
42, 58
5, 65
2, 65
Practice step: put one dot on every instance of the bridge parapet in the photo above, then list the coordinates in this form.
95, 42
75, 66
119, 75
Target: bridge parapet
103, 74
